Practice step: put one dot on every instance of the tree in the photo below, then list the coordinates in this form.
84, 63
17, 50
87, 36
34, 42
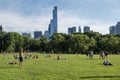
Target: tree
56, 42
2, 35
44, 44
27, 43
9, 42
34, 45
18, 41
96, 36
80, 43
109, 43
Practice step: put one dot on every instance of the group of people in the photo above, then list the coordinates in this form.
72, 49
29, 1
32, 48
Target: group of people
21, 58
31, 56
103, 55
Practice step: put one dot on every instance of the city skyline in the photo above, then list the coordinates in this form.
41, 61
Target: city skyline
29, 15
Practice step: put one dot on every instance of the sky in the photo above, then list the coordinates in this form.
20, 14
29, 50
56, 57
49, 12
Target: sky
34, 15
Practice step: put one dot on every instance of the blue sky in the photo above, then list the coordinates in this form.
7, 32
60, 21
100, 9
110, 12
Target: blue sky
31, 15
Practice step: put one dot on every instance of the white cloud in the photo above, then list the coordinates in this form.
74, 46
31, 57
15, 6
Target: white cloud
17, 23
67, 20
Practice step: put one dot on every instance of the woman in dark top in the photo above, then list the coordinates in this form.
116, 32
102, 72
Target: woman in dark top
21, 58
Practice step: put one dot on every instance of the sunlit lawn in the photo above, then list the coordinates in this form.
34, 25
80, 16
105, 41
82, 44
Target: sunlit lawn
77, 67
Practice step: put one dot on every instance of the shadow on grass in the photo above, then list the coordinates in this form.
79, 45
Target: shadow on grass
100, 77
6, 67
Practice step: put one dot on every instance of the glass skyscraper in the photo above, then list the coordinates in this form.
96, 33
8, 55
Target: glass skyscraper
37, 34
53, 23
79, 29
1, 28
115, 29
86, 29
118, 27
71, 30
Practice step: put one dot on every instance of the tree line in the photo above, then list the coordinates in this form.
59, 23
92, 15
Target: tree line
61, 43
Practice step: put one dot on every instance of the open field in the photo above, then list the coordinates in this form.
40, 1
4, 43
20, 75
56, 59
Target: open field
77, 67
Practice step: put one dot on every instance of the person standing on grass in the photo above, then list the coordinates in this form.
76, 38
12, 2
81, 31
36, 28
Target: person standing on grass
106, 54
90, 54
21, 58
102, 54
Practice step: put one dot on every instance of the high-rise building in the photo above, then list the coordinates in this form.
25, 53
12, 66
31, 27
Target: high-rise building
37, 34
118, 28
46, 34
86, 29
71, 30
26, 35
1, 28
53, 26
79, 29
113, 30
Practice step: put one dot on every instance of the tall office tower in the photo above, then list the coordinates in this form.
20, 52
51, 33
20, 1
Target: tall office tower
86, 29
71, 30
46, 34
79, 29
37, 34
118, 27
26, 35
53, 26
1, 28
55, 19
113, 30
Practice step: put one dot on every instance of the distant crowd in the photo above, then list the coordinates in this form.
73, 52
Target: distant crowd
103, 55
21, 56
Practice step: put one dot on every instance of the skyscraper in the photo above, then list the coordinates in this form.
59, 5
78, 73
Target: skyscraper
55, 19
46, 34
53, 26
118, 27
37, 34
1, 28
71, 30
26, 35
86, 29
113, 30
79, 29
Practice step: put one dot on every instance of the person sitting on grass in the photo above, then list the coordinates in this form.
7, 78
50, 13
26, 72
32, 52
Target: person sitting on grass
30, 56
35, 56
13, 62
16, 56
48, 56
107, 63
58, 57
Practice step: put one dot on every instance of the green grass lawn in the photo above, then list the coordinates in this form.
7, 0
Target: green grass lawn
78, 67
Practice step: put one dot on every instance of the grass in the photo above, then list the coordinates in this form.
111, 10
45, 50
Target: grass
78, 67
